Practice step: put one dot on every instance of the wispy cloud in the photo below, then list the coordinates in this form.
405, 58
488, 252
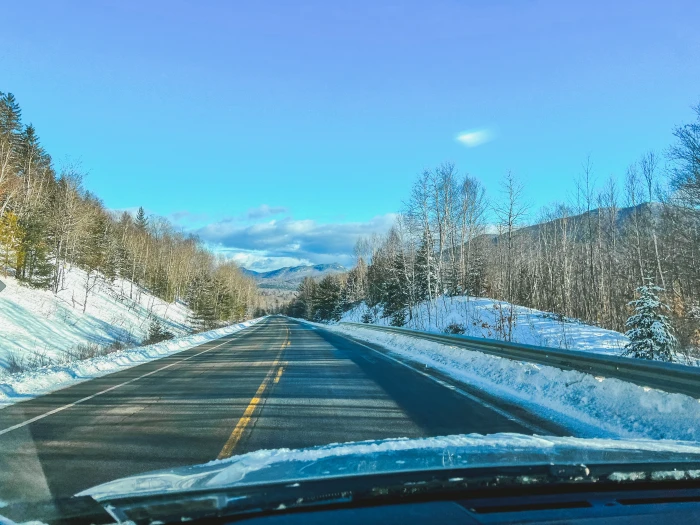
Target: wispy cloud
184, 216
263, 211
475, 138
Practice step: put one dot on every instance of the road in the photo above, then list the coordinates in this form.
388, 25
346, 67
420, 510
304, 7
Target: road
279, 383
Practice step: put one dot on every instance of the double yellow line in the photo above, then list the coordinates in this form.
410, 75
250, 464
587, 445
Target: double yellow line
247, 417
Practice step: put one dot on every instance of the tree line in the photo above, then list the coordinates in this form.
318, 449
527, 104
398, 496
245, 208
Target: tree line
583, 258
49, 223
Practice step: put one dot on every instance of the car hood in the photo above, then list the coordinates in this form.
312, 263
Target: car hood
395, 456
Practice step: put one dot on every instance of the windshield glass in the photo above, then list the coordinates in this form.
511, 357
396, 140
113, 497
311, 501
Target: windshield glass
246, 243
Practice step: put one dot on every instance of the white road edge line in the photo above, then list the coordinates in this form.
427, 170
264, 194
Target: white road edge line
69, 405
483, 403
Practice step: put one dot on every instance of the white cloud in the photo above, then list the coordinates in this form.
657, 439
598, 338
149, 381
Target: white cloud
276, 242
259, 260
474, 138
187, 217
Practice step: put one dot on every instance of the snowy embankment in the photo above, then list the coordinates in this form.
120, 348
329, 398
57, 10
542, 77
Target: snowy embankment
40, 323
19, 387
480, 317
586, 405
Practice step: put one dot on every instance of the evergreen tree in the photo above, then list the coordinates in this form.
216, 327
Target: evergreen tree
396, 297
33, 159
202, 302
306, 297
141, 220
476, 276
398, 318
38, 180
650, 333
376, 277
10, 115
367, 317
10, 240
157, 333
33, 257
328, 299
425, 275
10, 129
355, 284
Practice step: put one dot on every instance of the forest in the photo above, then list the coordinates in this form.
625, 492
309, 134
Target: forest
585, 258
49, 223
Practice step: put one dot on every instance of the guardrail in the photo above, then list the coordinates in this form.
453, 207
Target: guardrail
669, 377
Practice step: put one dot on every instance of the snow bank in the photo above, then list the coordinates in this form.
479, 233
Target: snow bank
588, 406
480, 317
38, 322
18, 387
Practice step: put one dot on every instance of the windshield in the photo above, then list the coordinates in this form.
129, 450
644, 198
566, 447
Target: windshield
246, 243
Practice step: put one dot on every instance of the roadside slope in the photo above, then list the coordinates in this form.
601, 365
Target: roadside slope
488, 318
39, 323
33, 383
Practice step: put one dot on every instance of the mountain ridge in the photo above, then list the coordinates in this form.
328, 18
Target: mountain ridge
289, 277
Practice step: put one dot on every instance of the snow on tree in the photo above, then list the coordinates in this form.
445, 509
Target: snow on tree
650, 333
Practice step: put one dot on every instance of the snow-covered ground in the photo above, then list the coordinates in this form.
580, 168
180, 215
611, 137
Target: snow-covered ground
37, 322
19, 387
487, 318
586, 405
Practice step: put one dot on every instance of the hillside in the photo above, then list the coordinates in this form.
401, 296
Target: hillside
483, 317
576, 225
38, 325
288, 278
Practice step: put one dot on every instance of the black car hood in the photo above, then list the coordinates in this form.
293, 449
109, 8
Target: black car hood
401, 455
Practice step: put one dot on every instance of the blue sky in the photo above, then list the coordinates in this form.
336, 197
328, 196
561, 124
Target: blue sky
280, 131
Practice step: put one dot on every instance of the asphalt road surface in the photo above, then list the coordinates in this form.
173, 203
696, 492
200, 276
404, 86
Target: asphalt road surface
276, 384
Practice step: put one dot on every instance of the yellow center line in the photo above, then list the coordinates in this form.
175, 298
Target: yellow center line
279, 374
237, 433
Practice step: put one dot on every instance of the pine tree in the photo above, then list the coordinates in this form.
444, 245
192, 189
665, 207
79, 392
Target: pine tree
34, 265
396, 297
202, 302
10, 239
10, 130
306, 298
33, 254
328, 299
426, 277
157, 333
141, 219
650, 333
10, 114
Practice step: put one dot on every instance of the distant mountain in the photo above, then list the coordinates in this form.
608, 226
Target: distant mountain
577, 223
288, 278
